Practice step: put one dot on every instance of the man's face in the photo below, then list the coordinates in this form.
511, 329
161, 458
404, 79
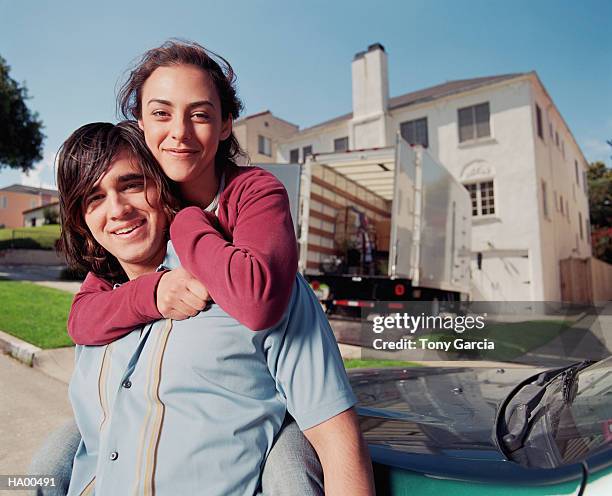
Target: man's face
125, 217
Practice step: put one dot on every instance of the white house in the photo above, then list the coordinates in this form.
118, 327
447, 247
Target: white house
37, 216
502, 137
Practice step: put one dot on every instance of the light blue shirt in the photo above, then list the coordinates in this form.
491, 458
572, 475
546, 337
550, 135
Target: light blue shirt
193, 406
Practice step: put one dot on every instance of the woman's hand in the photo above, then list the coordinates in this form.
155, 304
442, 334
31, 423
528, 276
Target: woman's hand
179, 295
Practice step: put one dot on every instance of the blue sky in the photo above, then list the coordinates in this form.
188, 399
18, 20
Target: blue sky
294, 57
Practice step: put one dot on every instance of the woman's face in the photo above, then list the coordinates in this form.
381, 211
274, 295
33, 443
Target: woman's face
182, 124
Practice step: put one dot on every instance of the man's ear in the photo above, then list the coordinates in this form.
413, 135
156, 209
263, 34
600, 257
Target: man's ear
226, 129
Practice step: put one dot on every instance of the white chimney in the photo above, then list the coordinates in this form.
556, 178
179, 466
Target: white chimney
368, 127
370, 82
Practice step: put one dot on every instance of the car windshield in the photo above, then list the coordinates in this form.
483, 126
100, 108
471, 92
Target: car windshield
578, 412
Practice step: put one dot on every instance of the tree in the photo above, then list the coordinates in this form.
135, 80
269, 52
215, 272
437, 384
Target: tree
600, 209
51, 216
21, 136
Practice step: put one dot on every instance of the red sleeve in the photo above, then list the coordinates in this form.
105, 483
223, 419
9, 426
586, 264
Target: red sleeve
101, 314
251, 276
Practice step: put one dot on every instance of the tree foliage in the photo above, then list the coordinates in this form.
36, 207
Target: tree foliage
21, 136
51, 215
600, 209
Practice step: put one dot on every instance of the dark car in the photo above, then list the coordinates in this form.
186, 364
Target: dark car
479, 431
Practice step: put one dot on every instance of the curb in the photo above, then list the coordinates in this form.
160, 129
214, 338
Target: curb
19, 349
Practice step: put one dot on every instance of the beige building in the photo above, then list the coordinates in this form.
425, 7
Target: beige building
15, 199
260, 135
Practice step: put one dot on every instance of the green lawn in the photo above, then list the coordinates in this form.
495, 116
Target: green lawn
34, 313
353, 363
43, 237
512, 340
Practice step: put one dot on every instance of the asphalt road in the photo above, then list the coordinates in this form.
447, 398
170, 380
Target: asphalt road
32, 404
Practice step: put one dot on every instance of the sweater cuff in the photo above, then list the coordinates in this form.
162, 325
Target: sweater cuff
146, 295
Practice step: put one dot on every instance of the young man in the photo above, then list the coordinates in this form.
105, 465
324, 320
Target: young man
184, 407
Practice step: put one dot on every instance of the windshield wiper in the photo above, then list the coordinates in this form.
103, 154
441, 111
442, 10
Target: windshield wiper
519, 410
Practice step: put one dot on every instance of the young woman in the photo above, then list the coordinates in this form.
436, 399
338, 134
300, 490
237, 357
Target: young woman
235, 236
191, 406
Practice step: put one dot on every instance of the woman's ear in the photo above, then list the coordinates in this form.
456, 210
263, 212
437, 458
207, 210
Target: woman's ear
140, 124
226, 128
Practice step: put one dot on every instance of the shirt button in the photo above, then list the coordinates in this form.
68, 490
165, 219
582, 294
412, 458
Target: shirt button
127, 384
114, 455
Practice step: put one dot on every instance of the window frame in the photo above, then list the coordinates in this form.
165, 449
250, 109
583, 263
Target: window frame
539, 122
577, 173
306, 150
262, 140
344, 140
545, 204
297, 155
415, 123
474, 124
479, 198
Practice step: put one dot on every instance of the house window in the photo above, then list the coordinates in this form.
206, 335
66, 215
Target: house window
561, 204
585, 184
294, 156
415, 132
539, 121
577, 173
544, 199
563, 148
587, 226
264, 145
580, 225
556, 200
550, 131
557, 138
483, 198
341, 144
3, 202
577, 244
307, 150
474, 122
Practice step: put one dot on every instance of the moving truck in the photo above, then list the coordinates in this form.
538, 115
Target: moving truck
387, 224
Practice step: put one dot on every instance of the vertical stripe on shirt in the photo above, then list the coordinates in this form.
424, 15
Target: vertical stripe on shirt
89, 488
152, 395
102, 383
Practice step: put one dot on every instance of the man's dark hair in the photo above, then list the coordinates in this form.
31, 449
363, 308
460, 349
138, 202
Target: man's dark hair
82, 160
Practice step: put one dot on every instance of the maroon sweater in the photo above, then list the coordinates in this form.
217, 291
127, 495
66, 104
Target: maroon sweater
246, 256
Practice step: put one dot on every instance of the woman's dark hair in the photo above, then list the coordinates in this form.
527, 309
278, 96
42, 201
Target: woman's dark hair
82, 160
178, 52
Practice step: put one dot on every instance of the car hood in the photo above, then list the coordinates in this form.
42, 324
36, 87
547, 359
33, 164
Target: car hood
435, 410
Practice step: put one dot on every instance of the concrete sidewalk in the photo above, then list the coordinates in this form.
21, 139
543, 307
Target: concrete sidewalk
32, 405
39, 274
